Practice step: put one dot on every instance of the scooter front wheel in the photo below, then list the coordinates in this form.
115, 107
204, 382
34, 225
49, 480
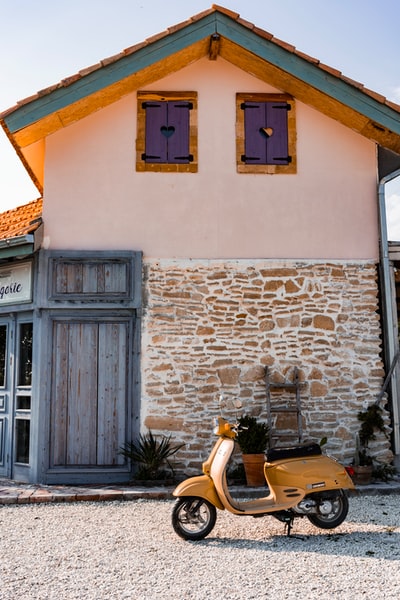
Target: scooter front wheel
193, 518
331, 511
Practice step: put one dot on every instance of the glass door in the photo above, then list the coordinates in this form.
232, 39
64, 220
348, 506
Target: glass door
23, 394
15, 395
6, 360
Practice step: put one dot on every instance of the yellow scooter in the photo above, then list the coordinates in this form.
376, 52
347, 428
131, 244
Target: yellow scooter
302, 482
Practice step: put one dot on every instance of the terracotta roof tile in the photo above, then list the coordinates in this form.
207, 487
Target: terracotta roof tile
88, 70
49, 89
197, 17
246, 23
71, 79
132, 49
21, 220
331, 70
157, 36
392, 105
352, 82
285, 45
375, 95
226, 11
308, 58
264, 34
111, 59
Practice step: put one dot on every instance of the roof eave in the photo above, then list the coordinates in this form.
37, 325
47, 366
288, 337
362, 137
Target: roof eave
22, 245
95, 87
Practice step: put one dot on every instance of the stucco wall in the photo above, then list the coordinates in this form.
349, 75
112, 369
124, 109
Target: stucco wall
95, 199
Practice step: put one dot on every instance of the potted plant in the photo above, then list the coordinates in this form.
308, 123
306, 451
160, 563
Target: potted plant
371, 421
151, 455
253, 441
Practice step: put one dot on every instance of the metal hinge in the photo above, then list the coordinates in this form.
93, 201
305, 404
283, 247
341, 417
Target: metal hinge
146, 156
286, 158
189, 157
285, 107
243, 158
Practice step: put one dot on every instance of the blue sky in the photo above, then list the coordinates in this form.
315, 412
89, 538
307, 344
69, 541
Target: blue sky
44, 41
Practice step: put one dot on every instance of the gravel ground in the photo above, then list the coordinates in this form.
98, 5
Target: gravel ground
121, 550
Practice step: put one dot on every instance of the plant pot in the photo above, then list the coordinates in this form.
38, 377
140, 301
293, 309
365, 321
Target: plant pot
254, 469
362, 474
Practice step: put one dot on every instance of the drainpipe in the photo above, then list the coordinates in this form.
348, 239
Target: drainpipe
389, 327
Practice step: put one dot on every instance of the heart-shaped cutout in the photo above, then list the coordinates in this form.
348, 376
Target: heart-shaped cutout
266, 131
167, 131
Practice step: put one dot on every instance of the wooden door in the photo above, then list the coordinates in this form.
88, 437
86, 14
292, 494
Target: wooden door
90, 399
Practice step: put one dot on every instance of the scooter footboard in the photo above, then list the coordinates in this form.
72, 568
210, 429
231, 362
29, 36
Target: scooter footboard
201, 486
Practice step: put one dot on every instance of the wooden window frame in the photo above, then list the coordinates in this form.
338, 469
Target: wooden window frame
141, 164
290, 168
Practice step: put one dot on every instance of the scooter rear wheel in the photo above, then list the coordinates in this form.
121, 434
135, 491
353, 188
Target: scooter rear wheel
331, 512
193, 518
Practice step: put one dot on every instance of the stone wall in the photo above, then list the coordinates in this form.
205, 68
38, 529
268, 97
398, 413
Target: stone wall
211, 328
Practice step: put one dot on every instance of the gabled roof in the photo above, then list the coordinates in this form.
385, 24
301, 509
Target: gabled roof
21, 221
214, 32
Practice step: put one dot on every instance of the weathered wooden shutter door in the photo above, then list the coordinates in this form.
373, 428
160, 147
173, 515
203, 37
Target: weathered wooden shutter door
255, 139
156, 147
277, 143
178, 132
89, 401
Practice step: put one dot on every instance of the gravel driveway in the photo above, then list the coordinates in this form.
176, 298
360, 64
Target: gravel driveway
121, 550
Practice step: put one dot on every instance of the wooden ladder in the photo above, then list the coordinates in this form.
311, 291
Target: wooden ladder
276, 409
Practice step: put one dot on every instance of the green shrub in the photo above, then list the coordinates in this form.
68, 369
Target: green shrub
253, 435
150, 455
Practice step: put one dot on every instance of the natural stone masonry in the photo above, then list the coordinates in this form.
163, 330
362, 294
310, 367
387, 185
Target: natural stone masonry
211, 327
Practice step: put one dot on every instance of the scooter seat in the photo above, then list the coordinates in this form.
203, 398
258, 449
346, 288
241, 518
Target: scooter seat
311, 449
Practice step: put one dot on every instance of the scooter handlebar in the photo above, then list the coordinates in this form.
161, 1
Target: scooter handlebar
223, 428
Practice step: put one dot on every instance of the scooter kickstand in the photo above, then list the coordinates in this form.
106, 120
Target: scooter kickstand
288, 529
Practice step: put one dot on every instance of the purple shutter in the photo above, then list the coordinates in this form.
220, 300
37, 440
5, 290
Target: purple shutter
156, 132
178, 128
255, 152
266, 133
277, 143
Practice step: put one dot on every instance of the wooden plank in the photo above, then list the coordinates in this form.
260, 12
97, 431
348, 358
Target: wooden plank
82, 394
214, 46
59, 395
112, 397
74, 278
115, 278
59, 277
89, 277
3, 424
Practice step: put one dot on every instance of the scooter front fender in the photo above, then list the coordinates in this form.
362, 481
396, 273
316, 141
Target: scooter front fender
201, 486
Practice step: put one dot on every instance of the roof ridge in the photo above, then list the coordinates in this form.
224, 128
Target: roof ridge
67, 81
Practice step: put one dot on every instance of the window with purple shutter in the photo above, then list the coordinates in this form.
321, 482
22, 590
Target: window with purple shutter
266, 133
167, 132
